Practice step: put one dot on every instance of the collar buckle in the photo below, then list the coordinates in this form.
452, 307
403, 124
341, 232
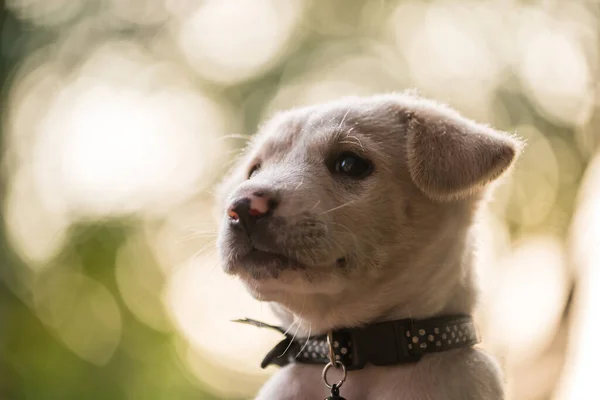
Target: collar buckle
371, 345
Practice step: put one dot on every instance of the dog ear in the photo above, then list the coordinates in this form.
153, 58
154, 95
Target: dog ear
450, 157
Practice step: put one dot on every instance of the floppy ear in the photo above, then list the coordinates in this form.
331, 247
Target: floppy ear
450, 157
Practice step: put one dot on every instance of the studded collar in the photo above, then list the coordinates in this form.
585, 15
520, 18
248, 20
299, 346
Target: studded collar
385, 343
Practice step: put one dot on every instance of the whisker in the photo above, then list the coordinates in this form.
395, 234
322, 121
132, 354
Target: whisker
307, 339
299, 184
194, 230
236, 136
338, 207
316, 204
289, 327
343, 119
291, 341
356, 141
197, 236
210, 245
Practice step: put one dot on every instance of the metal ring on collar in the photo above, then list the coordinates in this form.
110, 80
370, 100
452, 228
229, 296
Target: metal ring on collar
329, 365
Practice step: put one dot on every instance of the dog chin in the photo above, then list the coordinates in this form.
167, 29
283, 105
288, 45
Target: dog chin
290, 283
271, 276
273, 288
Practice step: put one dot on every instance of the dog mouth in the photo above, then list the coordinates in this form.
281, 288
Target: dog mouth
267, 256
256, 260
259, 257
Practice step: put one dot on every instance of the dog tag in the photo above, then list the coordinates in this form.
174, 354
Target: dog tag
335, 393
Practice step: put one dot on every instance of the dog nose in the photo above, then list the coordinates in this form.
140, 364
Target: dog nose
247, 209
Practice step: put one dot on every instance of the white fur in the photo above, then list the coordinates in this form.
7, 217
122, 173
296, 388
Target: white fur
407, 233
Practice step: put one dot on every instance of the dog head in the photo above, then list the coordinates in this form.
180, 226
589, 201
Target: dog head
361, 194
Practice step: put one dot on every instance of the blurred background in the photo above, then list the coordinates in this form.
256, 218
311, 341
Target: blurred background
118, 117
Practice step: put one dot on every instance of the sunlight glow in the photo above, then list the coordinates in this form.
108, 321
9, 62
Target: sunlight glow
448, 53
122, 151
554, 67
203, 301
581, 376
529, 297
208, 40
535, 180
36, 229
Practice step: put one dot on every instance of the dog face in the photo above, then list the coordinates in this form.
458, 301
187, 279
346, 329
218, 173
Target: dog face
332, 198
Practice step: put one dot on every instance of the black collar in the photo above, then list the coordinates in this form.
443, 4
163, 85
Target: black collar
385, 343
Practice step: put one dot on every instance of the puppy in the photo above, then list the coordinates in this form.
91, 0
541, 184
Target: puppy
360, 211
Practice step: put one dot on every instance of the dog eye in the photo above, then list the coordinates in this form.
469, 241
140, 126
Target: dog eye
352, 165
255, 168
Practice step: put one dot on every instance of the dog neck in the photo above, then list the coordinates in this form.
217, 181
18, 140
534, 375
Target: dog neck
451, 290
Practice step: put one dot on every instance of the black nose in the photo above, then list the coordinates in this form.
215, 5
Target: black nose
246, 210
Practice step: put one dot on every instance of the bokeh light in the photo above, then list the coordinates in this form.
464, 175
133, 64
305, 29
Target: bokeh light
82, 312
229, 43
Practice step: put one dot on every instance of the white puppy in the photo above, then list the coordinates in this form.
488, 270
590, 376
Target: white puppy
361, 211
